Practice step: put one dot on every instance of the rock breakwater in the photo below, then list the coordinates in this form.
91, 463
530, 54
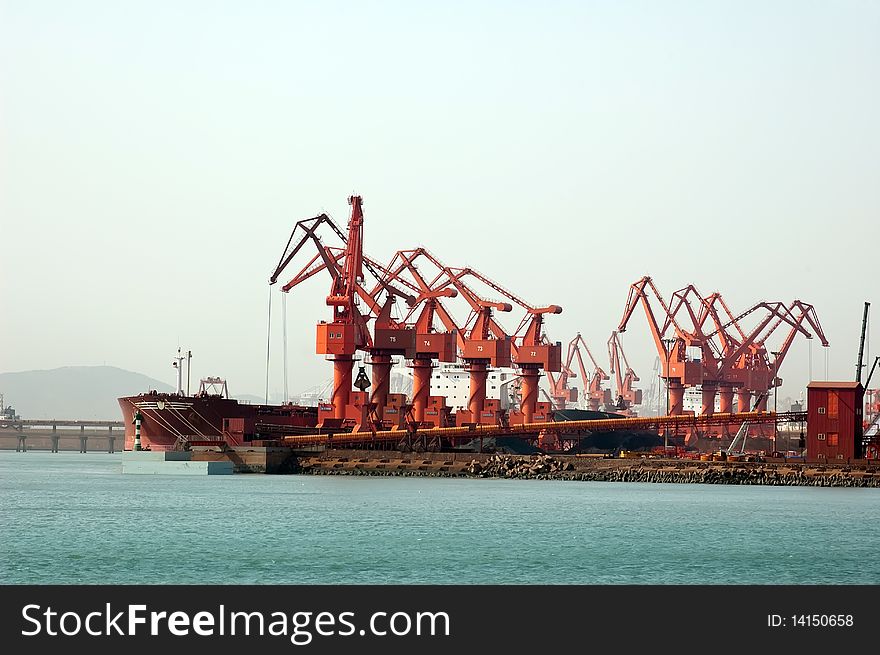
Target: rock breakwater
546, 467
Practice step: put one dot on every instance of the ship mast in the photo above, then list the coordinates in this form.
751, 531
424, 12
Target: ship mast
189, 355
178, 364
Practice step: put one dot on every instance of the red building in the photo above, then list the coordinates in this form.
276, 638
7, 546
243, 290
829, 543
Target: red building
834, 421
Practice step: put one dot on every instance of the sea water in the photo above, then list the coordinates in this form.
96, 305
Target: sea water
74, 518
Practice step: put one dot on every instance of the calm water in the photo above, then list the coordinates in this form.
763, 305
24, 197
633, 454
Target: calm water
72, 518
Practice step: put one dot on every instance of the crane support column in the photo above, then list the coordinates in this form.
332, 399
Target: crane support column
676, 397
529, 390
708, 394
726, 400
342, 366
422, 369
381, 382
743, 400
479, 372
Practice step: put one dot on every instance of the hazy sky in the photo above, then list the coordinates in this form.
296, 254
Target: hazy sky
154, 157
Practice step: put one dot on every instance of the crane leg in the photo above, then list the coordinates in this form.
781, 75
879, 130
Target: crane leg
342, 366
725, 405
708, 392
479, 372
381, 382
529, 390
676, 398
743, 401
421, 387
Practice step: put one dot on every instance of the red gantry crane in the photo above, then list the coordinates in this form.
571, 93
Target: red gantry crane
595, 393
627, 395
728, 343
561, 394
695, 338
390, 338
478, 347
487, 343
745, 360
482, 350
530, 350
768, 371
730, 359
483, 345
679, 369
534, 355
431, 344
347, 332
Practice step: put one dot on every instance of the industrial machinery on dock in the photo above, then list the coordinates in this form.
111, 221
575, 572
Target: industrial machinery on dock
419, 310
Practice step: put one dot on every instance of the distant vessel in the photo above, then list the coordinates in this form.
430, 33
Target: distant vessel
8, 417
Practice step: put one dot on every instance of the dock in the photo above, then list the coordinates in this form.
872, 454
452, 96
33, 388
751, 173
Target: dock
171, 462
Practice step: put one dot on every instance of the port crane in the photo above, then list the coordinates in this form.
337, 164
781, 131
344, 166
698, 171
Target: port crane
531, 352
730, 358
595, 393
480, 339
347, 332
483, 342
561, 394
431, 344
363, 319
680, 370
746, 362
625, 377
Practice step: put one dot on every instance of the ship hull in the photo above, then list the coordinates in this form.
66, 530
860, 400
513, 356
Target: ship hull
169, 421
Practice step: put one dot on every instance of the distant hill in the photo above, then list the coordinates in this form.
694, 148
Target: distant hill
74, 392
90, 392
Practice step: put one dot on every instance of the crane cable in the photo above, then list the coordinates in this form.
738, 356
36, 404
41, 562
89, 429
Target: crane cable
268, 342
810, 362
284, 340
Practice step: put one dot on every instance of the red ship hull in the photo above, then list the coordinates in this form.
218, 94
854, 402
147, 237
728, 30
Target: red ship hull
169, 421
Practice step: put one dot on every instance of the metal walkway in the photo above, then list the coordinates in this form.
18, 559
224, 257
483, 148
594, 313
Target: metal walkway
466, 433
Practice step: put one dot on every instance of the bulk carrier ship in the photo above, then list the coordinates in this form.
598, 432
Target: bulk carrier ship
174, 421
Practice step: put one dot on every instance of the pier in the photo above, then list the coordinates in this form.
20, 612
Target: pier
56, 435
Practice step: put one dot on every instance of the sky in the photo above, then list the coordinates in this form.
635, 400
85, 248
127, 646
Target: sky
155, 156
